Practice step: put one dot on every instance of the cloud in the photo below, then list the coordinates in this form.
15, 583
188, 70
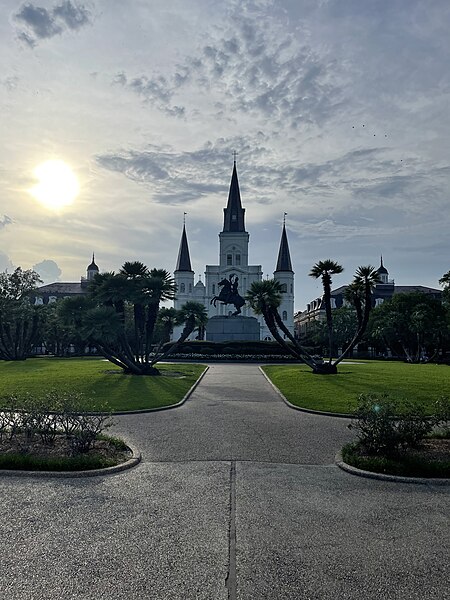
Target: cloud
48, 271
155, 90
10, 83
5, 263
177, 177
37, 23
4, 221
255, 69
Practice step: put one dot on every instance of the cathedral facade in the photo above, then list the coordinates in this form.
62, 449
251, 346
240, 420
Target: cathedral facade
233, 266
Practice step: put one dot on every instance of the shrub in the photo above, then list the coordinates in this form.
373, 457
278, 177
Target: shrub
442, 414
385, 427
25, 417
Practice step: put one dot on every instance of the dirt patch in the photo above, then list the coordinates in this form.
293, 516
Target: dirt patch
61, 448
434, 449
178, 374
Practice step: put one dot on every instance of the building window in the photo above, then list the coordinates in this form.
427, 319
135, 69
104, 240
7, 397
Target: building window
284, 315
182, 288
238, 259
292, 289
214, 289
229, 260
283, 287
190, 288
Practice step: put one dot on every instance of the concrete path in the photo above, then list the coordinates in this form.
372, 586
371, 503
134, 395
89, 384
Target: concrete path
237, 497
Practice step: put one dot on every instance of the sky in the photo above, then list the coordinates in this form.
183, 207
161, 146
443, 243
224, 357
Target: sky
338, 110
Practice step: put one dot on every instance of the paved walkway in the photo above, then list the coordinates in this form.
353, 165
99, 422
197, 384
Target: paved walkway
237, 497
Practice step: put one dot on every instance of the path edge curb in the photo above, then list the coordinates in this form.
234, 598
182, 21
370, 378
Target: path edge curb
158, 408
306, 410
128, 464
385, 477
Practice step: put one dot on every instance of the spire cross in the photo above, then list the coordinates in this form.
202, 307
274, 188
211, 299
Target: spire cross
284, 219
234, 155
184, 218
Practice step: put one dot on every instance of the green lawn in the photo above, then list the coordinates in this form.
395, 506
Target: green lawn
338, 393
100, 380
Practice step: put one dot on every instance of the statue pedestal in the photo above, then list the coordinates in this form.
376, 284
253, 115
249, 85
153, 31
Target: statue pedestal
221, 329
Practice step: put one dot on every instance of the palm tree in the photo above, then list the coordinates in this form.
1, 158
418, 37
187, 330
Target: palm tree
134, 295
265, 297
168, 318
161, 287
324, 269
354, 295
193, 315
365, 279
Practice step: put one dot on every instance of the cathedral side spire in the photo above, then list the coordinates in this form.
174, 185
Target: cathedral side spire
184, 259
284, 257
233, 220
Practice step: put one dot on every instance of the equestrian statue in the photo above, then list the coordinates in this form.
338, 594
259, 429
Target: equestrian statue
229, 294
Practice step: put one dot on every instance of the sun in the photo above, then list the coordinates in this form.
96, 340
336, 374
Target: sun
57, 185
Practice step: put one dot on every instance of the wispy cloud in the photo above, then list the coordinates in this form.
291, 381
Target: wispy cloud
35, 23
4, 221
253, 68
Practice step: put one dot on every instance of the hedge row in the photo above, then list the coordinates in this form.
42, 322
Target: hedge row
231, 347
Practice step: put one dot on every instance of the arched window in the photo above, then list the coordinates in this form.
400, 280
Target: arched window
229, 259
238, 259
284, 315
182, 288
190, 288
283, 287
292, 289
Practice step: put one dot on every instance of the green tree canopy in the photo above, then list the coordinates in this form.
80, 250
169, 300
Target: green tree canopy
19, 318
413, 324
120, 314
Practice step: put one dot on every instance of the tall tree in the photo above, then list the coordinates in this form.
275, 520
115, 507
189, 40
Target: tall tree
192, 315
324, 269
265, 297
365, 279
19, 318
445, 282
123, 319
414, 325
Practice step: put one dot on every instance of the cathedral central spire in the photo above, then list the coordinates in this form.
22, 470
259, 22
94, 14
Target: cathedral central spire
233, 218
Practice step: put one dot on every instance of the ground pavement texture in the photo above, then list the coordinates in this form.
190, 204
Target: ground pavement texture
237, 497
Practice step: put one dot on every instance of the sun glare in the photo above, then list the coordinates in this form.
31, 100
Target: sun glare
57, 185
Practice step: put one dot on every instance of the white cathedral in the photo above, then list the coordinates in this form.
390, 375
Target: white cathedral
233, 265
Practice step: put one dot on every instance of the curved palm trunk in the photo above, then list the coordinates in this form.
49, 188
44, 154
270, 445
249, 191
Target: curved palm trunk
187, 330
269, 318
362, 327
305, 356
329, 316
152, 315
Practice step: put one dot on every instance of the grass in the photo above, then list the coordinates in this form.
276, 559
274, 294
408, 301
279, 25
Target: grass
338, 393
28, 462
99, 380
406, 466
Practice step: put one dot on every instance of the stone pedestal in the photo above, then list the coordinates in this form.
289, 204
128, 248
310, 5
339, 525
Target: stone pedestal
221, 329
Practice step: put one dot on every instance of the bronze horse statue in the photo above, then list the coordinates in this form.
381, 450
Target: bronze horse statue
229, 294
